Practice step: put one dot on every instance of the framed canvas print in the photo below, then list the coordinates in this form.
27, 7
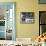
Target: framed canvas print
42, 1
7, 20
27, 18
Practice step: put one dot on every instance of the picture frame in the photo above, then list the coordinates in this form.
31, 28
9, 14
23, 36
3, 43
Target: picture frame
42, 22
27, 17
42, 1
7, 13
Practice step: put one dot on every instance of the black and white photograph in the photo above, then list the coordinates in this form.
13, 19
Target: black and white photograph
27, 18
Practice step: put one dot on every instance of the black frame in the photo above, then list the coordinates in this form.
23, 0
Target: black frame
39, 21
41, 2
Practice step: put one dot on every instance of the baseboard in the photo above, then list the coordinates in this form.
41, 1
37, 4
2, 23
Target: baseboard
24, 39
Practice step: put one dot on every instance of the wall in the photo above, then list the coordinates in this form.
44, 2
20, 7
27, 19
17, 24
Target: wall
27, 30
